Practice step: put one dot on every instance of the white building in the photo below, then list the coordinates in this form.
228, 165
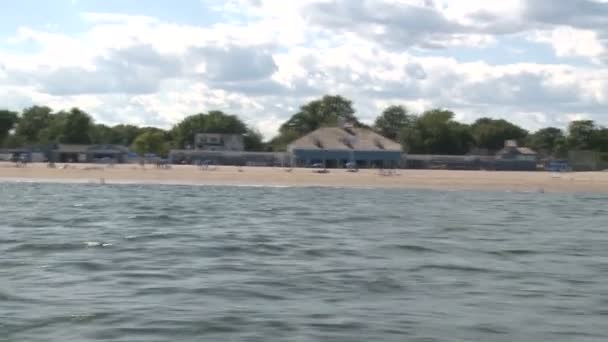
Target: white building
219, 142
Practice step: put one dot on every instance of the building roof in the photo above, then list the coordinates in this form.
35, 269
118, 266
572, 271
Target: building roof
101, 149
221, 134
72, 148
517, 150
337, 139
525, 150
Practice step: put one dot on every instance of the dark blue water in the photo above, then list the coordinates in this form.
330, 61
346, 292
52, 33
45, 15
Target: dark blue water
169, 263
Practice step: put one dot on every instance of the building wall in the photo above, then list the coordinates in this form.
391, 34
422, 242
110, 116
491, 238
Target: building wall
512, 165
219, 142
588, 160
228, 158
338, 158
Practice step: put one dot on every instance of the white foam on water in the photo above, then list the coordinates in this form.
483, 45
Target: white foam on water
97, 244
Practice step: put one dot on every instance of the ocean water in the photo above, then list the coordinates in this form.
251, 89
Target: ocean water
178, 263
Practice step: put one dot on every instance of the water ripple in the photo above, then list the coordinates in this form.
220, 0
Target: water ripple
178, 263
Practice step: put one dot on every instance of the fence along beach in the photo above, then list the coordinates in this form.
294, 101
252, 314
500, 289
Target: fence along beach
268, 176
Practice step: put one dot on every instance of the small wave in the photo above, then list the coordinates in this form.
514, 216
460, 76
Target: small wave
45, 247
413, 248
448, 267
161, 236
155, 291
514, 252
88, 265
490, 329
97, 244
239, 293
8, 298
161, 217
338, 326
384, 285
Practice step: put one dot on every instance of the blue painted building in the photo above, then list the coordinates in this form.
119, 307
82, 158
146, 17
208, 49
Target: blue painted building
335, 147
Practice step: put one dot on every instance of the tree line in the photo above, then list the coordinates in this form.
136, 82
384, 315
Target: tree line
434, 131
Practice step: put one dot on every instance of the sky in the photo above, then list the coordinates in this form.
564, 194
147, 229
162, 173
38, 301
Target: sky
536, 63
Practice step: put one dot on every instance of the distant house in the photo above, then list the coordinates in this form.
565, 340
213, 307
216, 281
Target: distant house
512, 152
336, 147
70, 153
515, 158
30, 154
219, 142
588, 160
239, 158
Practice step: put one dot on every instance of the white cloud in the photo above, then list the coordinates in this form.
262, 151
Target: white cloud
144, 70
571, 42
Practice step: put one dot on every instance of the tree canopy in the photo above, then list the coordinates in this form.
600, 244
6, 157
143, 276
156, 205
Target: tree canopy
8, 120
436, 132
32, 121
393, 120
549, 141
212, 122
329, 110
581, 134
432, 132
151, 141
491, 134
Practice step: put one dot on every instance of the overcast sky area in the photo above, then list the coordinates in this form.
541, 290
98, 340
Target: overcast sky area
535, 62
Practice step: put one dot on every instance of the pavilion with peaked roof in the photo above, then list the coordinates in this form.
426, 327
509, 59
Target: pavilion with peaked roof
336, 147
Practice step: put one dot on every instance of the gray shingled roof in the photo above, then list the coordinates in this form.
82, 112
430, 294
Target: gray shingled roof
72, 148
517, 150
335, 138
526, 151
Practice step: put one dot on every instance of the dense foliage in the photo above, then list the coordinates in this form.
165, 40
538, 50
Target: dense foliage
432, 132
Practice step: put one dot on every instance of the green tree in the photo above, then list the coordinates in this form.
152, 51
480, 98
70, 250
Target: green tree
125, 134
151, 141
549, 141
8, 120
33, 120
601, 139
254, 141
491, 134
71, 127
213, 122
54, 130
392, 121
435, 132
281, 141
103, 134
581, 135
327, 111
77, 126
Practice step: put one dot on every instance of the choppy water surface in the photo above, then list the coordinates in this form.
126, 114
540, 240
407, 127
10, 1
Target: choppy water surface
168, 263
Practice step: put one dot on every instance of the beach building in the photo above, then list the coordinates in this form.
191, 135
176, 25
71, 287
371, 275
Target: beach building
26, 154
337, 147
71, 153
447, 162
515, 158
223, 149
219, 142
588, 160
237, 158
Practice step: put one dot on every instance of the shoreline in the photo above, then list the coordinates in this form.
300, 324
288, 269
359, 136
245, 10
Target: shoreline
187, 175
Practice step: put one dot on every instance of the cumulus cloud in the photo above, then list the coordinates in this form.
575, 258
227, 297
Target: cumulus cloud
272, 56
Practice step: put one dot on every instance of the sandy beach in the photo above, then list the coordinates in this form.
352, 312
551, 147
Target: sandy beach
264, 176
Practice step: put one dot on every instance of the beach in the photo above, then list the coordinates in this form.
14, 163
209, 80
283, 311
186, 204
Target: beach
268, 176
